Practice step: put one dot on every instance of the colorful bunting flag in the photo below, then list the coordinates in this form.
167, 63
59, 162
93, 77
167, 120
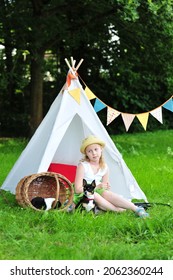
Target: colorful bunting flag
98, 105
143, 118
127, 119
89, 93
75, 93
111, 115
157, 113
169, 105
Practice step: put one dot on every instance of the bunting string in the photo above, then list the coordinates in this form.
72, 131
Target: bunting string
128, 118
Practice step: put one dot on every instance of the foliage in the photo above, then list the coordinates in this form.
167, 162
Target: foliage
126, 46
82, 236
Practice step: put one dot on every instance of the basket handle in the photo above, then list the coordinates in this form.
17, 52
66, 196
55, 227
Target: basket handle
57, 192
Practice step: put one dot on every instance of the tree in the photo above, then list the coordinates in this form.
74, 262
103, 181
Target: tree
122, 43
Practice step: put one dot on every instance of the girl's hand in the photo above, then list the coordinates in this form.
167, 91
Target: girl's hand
105, 186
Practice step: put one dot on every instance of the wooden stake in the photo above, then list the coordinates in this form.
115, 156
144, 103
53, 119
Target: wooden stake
68, 64
72, 61
79, 64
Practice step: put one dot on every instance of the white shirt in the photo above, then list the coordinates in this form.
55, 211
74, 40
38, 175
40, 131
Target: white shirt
89, 175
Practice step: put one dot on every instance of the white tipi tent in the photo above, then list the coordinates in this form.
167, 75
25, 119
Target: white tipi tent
70, 119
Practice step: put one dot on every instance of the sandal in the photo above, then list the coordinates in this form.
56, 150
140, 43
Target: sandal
140, 211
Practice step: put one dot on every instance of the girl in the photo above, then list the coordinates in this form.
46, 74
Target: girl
93, 167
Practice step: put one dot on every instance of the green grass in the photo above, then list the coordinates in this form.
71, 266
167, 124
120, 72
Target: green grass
28, 234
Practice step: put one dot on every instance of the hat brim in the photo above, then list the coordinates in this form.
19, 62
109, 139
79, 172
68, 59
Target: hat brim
90, 141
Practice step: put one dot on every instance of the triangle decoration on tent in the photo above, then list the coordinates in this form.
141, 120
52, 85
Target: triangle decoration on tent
143, 118
98, 105
75, 93
157, 113
127, 119
111, 115
89, 93
168, 105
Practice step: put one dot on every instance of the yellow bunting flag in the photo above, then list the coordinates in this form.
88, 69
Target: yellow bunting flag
75, 93
89, 93
111, 115
127, 119
143, 118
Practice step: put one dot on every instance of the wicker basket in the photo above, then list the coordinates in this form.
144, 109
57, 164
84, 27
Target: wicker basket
45, 185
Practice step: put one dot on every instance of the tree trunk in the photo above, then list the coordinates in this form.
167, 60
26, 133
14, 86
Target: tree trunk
10, 77
36, 93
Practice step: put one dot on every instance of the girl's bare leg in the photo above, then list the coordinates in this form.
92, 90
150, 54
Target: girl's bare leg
105, 205
118, 201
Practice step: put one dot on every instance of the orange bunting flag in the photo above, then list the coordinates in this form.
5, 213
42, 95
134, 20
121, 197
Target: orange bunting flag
157, 113
127, 119
143, 118
89, 93
75, 93
111, 115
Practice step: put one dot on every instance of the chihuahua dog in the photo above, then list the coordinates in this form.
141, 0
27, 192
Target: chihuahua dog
87, 200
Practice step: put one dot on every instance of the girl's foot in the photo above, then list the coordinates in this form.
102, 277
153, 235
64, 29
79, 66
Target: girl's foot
140, 211
71, 208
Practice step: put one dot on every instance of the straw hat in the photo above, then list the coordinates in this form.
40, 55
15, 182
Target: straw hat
89, 141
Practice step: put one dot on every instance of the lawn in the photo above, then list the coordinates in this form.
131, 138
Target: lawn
57, 235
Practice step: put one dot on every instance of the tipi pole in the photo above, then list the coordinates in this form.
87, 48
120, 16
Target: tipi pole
68, 64
72, 69
79, 64
72, 61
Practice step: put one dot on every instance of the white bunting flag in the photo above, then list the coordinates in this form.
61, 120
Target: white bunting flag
127, 119
157, 113
111, 115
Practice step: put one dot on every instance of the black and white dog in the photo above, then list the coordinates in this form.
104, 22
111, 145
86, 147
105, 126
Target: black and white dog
87, 200
44, 203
